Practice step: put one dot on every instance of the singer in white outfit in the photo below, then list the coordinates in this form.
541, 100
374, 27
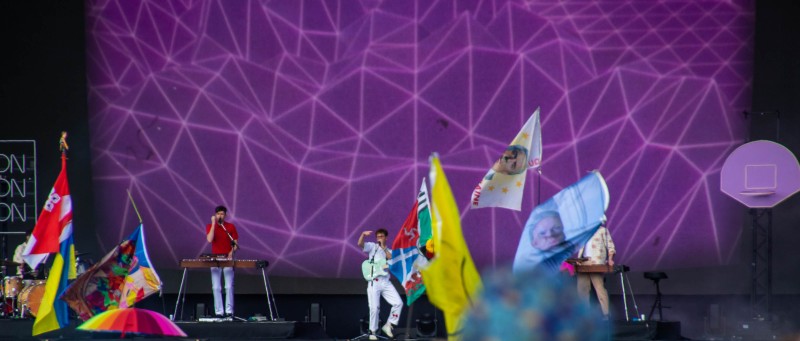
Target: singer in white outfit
381, 285
224, 242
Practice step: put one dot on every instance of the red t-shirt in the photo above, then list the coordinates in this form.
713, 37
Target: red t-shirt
221, 244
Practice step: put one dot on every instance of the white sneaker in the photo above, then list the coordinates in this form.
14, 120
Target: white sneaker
387, 329
373, 337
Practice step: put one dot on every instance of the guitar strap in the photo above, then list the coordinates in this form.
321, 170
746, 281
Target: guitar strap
372, 261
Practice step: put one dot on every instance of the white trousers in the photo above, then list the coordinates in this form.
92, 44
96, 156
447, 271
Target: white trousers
376, 288
216, 287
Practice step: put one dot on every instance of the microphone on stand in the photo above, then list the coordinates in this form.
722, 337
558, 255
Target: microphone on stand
233, 243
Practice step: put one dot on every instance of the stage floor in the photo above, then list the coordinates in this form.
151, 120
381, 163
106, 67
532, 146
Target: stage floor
12, 329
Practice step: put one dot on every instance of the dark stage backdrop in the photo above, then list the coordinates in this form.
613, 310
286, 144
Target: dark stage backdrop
43, 93
776, 87
313, 121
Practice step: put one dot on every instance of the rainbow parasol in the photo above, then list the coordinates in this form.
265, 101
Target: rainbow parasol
132, 320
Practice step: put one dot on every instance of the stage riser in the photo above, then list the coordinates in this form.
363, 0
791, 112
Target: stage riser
281, 330
650, 330
234, 330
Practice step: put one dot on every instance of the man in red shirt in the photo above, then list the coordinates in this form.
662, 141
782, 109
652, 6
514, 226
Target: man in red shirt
224, 242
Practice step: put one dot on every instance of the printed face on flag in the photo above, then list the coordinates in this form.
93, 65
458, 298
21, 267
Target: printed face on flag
544, 232
514, 161
548, 231
561, 225
504, 183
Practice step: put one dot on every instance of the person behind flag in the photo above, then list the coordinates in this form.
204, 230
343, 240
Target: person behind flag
23, 269
224, 241
599, 249
558, 227
380, 286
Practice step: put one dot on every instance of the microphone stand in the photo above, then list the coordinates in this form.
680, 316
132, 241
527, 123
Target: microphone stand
372, 267
233, 244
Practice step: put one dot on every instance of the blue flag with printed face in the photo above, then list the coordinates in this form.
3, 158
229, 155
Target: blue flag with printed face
557, 228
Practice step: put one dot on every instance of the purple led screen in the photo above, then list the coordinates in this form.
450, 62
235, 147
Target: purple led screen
313, 120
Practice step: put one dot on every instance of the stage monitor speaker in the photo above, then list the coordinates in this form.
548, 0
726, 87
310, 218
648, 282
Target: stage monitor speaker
714, 317
200, 311
754, 330
314, 313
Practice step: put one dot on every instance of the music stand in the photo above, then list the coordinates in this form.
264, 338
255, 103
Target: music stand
656, 277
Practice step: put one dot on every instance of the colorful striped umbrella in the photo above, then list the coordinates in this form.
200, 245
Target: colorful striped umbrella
132, 320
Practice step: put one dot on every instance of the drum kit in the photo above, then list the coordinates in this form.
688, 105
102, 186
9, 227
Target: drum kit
22, 296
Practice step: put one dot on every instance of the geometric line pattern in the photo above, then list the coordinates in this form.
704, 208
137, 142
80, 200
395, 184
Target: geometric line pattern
313, 120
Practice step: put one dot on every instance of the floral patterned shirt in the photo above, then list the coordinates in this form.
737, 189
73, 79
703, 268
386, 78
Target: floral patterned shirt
599, 246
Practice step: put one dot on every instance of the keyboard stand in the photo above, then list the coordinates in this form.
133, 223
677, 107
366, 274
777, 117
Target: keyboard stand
623, 278
261, 264
180, 298
268, 290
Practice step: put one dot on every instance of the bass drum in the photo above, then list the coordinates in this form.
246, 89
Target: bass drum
30, 298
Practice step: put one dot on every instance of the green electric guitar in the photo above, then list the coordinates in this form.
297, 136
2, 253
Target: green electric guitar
374, 268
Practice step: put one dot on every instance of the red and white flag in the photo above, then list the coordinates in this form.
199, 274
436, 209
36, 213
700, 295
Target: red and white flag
54, 224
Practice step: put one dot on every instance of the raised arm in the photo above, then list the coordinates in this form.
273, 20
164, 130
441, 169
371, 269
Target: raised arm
361, 239
210, 234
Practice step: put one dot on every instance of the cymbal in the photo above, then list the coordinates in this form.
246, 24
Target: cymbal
10, 263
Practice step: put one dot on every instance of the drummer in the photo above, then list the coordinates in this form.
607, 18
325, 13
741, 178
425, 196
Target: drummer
23, 269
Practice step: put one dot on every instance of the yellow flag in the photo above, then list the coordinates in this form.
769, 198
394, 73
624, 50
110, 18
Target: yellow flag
54, 313
451, 279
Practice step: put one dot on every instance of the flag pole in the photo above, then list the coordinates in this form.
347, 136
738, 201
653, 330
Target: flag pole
408, 320
539, 187
134, 207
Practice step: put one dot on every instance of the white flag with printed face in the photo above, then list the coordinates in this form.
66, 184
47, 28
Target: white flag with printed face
504, 183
